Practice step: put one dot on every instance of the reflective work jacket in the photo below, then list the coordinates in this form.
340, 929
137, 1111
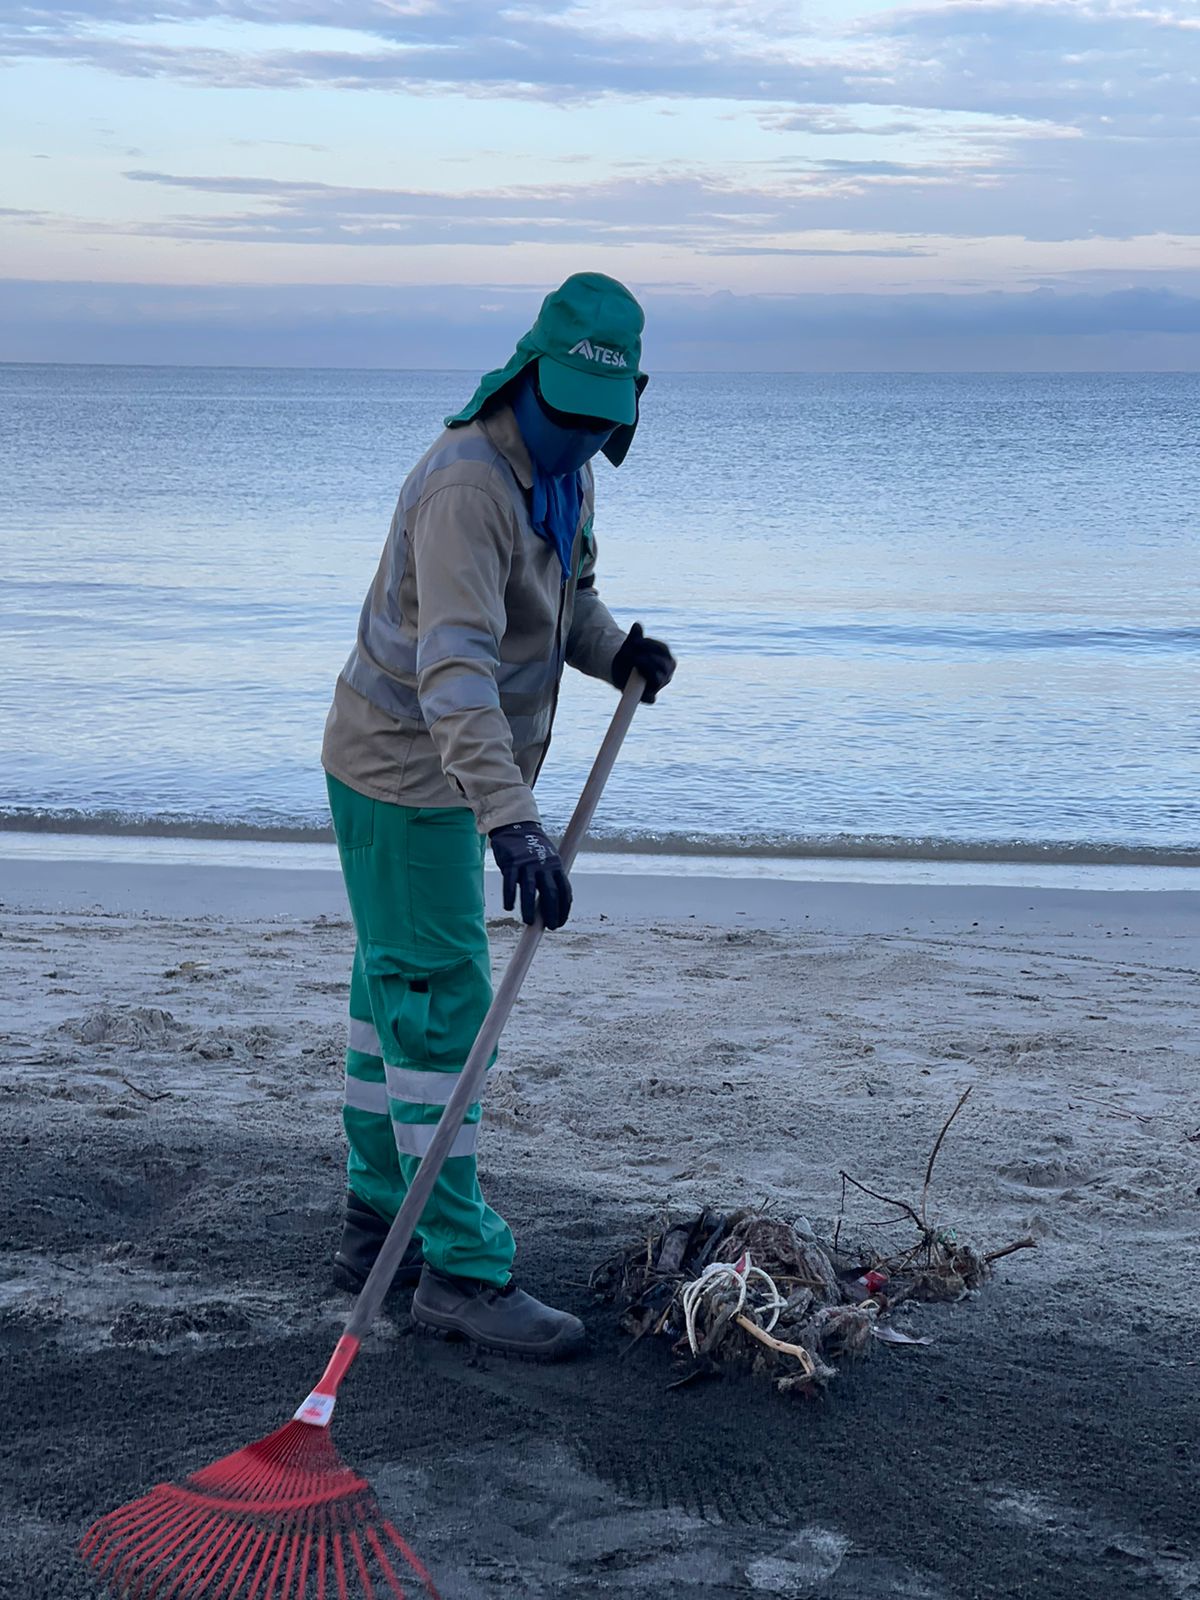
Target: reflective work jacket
449, 693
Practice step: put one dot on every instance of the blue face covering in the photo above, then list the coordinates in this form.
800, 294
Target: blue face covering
556, 454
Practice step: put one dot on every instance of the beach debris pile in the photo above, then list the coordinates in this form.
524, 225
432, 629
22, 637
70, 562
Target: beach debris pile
748, 1289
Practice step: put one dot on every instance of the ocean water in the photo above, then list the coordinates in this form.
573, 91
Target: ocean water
914, 615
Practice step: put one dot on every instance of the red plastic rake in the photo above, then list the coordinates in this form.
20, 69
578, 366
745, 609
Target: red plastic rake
286, 1519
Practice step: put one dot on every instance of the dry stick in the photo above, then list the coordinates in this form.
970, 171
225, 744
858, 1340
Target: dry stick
900, 1205
1120, 1111
837, 1227
962, 1100
797, 1350
145, 1093
1027, 1243
895, 1268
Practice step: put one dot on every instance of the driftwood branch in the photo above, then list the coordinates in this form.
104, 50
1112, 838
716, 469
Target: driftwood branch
1027, 1243
146, 1094
779, 1345
1116, 1111
933, 1155
900, 1205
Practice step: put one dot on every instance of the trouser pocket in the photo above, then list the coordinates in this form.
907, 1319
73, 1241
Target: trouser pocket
426, 1016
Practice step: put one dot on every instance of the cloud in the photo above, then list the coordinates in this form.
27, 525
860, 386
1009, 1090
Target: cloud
471, 327
829, 122
1094, 65
1042, 119
1063, 59
700, 212
890, 253
274, 144
1019, 193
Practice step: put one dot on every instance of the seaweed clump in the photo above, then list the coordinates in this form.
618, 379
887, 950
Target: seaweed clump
747, 1289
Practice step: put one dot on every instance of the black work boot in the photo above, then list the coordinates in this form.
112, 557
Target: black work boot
507, 1320
362, 1236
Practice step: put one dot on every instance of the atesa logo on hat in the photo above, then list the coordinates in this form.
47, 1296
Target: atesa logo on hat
598, 352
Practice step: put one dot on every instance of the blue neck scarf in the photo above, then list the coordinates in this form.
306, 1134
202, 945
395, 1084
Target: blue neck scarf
557, 456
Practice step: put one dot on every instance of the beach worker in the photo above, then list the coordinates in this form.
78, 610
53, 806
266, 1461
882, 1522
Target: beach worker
439, 726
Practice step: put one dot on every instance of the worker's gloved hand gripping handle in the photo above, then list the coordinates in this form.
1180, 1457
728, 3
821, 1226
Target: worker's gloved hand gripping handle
528, 861
651, 659
531, 866
470, 1080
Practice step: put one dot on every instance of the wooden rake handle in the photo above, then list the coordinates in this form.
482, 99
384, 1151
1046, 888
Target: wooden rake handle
470, 1082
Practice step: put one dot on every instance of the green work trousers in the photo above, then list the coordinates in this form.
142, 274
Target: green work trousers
420, 988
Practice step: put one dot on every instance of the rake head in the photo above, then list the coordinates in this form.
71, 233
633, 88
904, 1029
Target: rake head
283, 1519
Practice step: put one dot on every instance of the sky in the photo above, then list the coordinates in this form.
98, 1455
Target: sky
958, 184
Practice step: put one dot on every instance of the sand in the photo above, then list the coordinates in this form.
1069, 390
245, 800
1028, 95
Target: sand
170, 1042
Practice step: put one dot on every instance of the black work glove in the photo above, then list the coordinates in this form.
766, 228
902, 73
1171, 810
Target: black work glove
650, 657
530, 863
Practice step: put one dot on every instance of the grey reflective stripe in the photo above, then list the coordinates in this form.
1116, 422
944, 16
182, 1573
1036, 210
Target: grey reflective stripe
528, 731
380, 688
420, 1088
461, 691
529, 706
462, 446
364, 1096
526, 677
363, 1038
397, 554
414, 1138
383, 635
454, 642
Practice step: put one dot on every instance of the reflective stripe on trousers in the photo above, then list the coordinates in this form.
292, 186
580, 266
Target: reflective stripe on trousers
419, 990
406, 1085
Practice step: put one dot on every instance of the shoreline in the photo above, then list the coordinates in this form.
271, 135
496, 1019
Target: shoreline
262, 854
186, 889
158, 831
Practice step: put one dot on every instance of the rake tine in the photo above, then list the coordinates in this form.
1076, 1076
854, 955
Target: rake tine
185, 1523
308, 1540
211, 1565
272, 1540
287, 1542
149, 1540
339, 1567
201, 1547
239, 1577
411, 1557
381, 1556
103, 1532
237, 1563
356, 1550
193, 1552
284, 1520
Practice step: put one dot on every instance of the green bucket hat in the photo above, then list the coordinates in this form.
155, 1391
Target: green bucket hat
587, 342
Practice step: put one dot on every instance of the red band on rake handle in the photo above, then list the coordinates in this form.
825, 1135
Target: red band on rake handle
318, 1408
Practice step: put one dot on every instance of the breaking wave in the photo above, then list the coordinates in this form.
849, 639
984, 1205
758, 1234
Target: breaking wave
832, 846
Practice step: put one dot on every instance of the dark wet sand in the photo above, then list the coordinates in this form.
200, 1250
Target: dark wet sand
1013, 1460
170, 1183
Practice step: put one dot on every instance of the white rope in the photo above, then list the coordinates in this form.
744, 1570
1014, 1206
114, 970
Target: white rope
722, 1277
